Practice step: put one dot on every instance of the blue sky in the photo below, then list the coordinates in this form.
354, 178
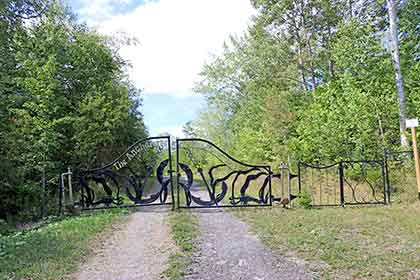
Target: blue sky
108, 8
166, 112
174, 39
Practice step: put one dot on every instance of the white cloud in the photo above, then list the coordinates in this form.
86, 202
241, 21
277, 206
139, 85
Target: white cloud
175, 37
175, 131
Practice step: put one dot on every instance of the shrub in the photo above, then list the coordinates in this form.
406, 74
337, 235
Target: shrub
304, 200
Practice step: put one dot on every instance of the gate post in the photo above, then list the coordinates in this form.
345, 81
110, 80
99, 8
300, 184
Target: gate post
62, 188
70, 186
177, 173
387, 182
171, 171
270, 173
383, 173
341, 175
60, 195
299, 179
289, 185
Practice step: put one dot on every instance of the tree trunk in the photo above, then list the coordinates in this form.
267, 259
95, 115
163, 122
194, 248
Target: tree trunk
311, 63
302, 67
351, 8
395, 53
330, 59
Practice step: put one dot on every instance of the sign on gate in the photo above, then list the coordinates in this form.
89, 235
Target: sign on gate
140, 176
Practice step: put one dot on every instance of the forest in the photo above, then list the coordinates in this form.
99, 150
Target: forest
315, 80
65, 100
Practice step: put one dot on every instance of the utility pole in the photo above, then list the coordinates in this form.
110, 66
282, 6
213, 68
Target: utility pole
413, 123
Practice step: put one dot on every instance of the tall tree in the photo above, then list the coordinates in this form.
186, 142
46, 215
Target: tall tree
333, 49
399, 81
65, 100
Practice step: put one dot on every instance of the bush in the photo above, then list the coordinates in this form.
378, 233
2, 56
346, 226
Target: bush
304, 200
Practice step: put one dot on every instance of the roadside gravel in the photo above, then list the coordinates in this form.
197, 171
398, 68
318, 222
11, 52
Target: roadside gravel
227, 250
139, 249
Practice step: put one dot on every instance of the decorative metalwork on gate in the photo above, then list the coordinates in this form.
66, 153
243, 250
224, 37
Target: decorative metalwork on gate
209, 177
344, 183
364, 182
140, 176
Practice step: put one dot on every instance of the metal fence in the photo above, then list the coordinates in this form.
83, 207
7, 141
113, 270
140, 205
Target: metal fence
208, 177
345, 183
401, 179
358, 182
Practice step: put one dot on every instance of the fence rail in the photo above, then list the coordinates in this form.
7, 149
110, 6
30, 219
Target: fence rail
345, 183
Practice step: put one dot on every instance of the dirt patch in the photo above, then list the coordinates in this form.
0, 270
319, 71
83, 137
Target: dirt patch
138, 249
227, 250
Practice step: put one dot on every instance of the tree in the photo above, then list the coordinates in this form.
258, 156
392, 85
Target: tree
65, 100
312, 80
399, 81
12, 15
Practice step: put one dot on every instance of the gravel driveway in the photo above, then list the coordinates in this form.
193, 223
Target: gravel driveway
227, 250
138, 250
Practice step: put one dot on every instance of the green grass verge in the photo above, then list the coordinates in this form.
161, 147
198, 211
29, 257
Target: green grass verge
184, 230
351, 243
52, 251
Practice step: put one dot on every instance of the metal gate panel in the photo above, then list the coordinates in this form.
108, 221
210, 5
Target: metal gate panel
208, 177
140, 176
322, 183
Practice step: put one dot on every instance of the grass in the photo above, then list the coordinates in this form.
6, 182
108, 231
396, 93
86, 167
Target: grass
184, 230
352, 243
52, 251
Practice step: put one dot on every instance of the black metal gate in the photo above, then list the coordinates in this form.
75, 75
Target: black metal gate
208, 177
140, 176
344, 183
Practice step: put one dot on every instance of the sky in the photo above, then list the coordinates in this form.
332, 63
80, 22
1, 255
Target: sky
173, 39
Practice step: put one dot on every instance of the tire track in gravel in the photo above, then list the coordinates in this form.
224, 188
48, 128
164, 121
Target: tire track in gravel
227, 250
139, 249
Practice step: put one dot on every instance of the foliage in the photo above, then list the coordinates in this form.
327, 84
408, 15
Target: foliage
65, 101
304, 200
310, 80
